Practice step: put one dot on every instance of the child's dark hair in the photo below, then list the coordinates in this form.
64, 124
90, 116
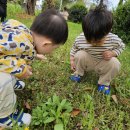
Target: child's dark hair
65, 9
97, 23
52, 25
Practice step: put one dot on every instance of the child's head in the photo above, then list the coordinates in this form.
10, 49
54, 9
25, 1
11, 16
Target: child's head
49, 31
97, 24
65, 9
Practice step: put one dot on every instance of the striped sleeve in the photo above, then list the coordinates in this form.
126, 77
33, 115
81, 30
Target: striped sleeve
79, 41
120, 46
74, 48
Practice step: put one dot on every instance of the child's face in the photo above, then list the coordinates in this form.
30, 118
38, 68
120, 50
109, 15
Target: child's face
44, 45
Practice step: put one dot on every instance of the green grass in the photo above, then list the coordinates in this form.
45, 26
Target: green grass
52, 77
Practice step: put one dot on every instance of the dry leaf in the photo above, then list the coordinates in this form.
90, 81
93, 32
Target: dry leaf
1, 128
85, 113
96, 128
24, 16
79, 125
88, 89
26, 104
81, 128
75, 112
125, 101
115, 99
37, 72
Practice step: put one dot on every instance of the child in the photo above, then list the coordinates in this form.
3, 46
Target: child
96, 49
65, 13
18, 48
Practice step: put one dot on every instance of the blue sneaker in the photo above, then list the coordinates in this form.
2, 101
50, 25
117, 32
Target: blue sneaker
107, 90
75, 78
103, 88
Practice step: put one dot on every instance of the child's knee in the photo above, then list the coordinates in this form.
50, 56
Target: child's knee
80, 55
115, 64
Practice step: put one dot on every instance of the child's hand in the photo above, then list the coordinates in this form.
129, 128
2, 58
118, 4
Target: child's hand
107, 55
72, 63
1, 128
41, 57
28, 73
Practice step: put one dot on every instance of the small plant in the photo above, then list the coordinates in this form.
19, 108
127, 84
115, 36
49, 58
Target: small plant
88, 112
54, 111
17, 127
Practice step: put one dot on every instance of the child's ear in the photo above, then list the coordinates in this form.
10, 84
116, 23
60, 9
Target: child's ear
46, 43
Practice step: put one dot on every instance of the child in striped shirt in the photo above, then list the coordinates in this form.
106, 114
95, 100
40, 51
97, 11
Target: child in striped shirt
18, 48
97, 49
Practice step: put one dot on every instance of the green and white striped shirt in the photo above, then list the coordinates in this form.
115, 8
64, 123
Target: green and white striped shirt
112, 43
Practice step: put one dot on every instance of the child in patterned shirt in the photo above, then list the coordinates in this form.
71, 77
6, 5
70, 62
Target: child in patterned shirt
18, 47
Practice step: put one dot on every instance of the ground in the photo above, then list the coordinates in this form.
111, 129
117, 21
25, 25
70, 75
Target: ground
52, 77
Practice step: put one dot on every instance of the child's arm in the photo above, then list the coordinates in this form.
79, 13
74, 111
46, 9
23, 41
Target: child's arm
27, 74
72, 63
16, 48
107, 55
73, 51
13, 60
15, 67
116, 51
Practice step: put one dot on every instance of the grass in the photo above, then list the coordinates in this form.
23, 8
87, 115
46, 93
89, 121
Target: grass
52, 77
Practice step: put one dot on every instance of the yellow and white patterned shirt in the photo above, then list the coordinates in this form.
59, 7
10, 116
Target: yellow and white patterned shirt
16, 48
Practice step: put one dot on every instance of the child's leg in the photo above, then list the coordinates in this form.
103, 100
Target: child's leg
107, 70
8, 102
17, 117
19, 85
84, 62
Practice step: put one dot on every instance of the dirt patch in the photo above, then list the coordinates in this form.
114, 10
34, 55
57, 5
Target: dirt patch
24, 16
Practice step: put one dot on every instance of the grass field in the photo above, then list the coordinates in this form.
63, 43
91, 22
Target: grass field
98, 112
